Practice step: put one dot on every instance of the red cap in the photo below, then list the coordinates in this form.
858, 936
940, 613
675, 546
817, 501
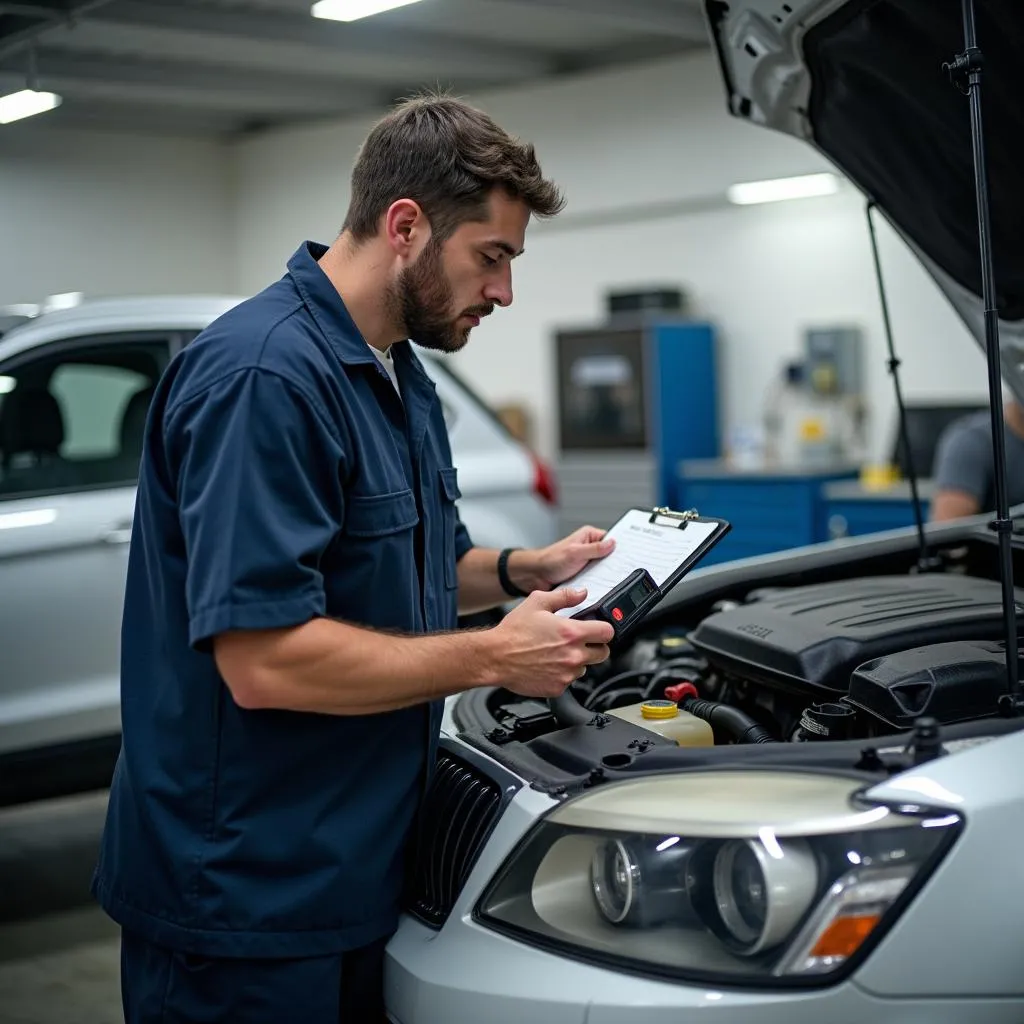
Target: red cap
680, 691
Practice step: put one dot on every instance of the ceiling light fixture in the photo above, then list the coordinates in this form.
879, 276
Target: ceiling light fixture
16, 105
778, 189
353, 10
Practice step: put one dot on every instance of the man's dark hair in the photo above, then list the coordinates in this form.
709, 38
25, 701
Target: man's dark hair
448, 157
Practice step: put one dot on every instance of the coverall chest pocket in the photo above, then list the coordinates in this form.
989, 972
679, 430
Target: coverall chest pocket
450, 493
370, 576
377, 515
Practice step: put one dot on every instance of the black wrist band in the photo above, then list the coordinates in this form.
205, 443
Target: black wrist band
506, 584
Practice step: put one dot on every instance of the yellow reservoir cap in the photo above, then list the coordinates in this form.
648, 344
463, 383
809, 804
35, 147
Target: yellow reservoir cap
659, 709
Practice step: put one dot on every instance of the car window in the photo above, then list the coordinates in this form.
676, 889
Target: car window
72, 416
94, 399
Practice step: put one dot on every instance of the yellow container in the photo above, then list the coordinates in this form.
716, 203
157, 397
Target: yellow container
667, 719
878, 478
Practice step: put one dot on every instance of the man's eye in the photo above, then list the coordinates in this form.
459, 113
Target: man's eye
489, 261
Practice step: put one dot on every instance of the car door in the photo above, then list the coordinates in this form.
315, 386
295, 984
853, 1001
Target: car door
71, 423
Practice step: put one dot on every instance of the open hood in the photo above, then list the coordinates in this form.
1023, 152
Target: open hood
862, 81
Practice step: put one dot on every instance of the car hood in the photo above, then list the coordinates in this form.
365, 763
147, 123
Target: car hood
863, 82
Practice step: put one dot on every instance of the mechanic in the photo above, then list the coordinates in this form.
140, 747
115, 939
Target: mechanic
296, 569
964, 473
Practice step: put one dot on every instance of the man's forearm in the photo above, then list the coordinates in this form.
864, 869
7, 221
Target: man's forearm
950, 504
334, 668
479, 588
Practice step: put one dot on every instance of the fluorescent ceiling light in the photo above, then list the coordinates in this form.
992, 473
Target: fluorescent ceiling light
353, 10
16, 105
778, 189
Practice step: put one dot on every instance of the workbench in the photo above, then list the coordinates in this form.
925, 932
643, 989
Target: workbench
770, 508
852, 509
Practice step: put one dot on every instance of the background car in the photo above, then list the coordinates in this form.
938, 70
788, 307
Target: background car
75, 387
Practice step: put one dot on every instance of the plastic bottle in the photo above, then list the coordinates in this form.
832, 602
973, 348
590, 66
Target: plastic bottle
665, 718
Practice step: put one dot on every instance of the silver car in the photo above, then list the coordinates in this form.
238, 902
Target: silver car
848, 849
75, 387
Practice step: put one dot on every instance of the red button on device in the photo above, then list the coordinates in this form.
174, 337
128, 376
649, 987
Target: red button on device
617, 614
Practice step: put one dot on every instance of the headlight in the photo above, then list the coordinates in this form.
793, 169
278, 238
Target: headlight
637, 885
755, 898
735, 876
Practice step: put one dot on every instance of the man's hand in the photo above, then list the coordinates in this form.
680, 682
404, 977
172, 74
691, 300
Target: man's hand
543, 568
538, 653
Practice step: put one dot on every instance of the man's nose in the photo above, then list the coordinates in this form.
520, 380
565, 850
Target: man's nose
500, 291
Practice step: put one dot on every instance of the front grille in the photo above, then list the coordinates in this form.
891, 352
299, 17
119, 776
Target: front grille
459, 811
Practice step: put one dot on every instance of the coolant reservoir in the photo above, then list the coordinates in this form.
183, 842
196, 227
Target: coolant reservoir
667, 719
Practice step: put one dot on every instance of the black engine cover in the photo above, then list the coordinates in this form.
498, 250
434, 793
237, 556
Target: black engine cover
809, 640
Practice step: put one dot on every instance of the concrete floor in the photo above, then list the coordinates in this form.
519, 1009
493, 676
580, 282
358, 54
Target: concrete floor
58, 952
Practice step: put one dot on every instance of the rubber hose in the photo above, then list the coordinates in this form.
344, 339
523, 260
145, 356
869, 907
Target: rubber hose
568, 710
741, 727
616, 698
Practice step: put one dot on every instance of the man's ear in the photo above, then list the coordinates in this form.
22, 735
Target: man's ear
406, 227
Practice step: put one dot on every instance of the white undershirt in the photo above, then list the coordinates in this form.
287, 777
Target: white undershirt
385, 360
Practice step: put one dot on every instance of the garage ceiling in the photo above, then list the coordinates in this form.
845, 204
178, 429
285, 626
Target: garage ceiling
224, 67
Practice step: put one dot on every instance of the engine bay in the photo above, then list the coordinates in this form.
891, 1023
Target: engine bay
789, 665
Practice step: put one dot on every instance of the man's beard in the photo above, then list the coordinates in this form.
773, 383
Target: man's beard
422, 299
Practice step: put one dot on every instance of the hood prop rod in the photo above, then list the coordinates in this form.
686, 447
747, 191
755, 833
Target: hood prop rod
926, 562
965, 72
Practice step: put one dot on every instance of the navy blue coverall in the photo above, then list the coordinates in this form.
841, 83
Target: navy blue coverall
283, 478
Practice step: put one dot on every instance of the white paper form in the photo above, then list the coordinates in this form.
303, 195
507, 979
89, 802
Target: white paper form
639, 544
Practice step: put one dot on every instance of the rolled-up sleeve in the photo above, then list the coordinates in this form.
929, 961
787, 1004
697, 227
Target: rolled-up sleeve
963, 462
258, 477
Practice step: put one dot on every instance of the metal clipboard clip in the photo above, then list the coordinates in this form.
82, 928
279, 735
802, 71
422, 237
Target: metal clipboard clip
667, 513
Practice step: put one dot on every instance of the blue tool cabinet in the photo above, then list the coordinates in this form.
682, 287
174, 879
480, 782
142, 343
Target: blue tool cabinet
635, 396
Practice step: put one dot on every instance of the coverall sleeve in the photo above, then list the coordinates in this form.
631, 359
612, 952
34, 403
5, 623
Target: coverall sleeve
260, 498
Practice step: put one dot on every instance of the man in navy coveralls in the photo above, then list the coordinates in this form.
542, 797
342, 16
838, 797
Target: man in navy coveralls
297, 567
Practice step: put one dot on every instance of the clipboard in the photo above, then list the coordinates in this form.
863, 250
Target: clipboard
648, 561
669, 518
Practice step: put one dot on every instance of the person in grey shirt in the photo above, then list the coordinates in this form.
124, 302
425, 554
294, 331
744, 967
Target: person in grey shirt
964, 471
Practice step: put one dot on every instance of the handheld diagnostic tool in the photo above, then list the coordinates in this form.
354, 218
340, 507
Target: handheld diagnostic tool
625, 604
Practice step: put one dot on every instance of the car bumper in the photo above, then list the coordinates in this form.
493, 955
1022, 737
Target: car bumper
466, 974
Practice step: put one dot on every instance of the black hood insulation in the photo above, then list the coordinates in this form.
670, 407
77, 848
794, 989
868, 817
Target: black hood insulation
885, 112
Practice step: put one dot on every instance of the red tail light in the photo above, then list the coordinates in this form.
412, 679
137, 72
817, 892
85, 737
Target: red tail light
545, 486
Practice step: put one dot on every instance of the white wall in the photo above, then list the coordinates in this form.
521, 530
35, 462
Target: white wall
656, 135
110, 214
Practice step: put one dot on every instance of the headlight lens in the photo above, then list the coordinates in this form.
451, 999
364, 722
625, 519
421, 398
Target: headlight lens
615, 877
757, 899
635, 884
740, 876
